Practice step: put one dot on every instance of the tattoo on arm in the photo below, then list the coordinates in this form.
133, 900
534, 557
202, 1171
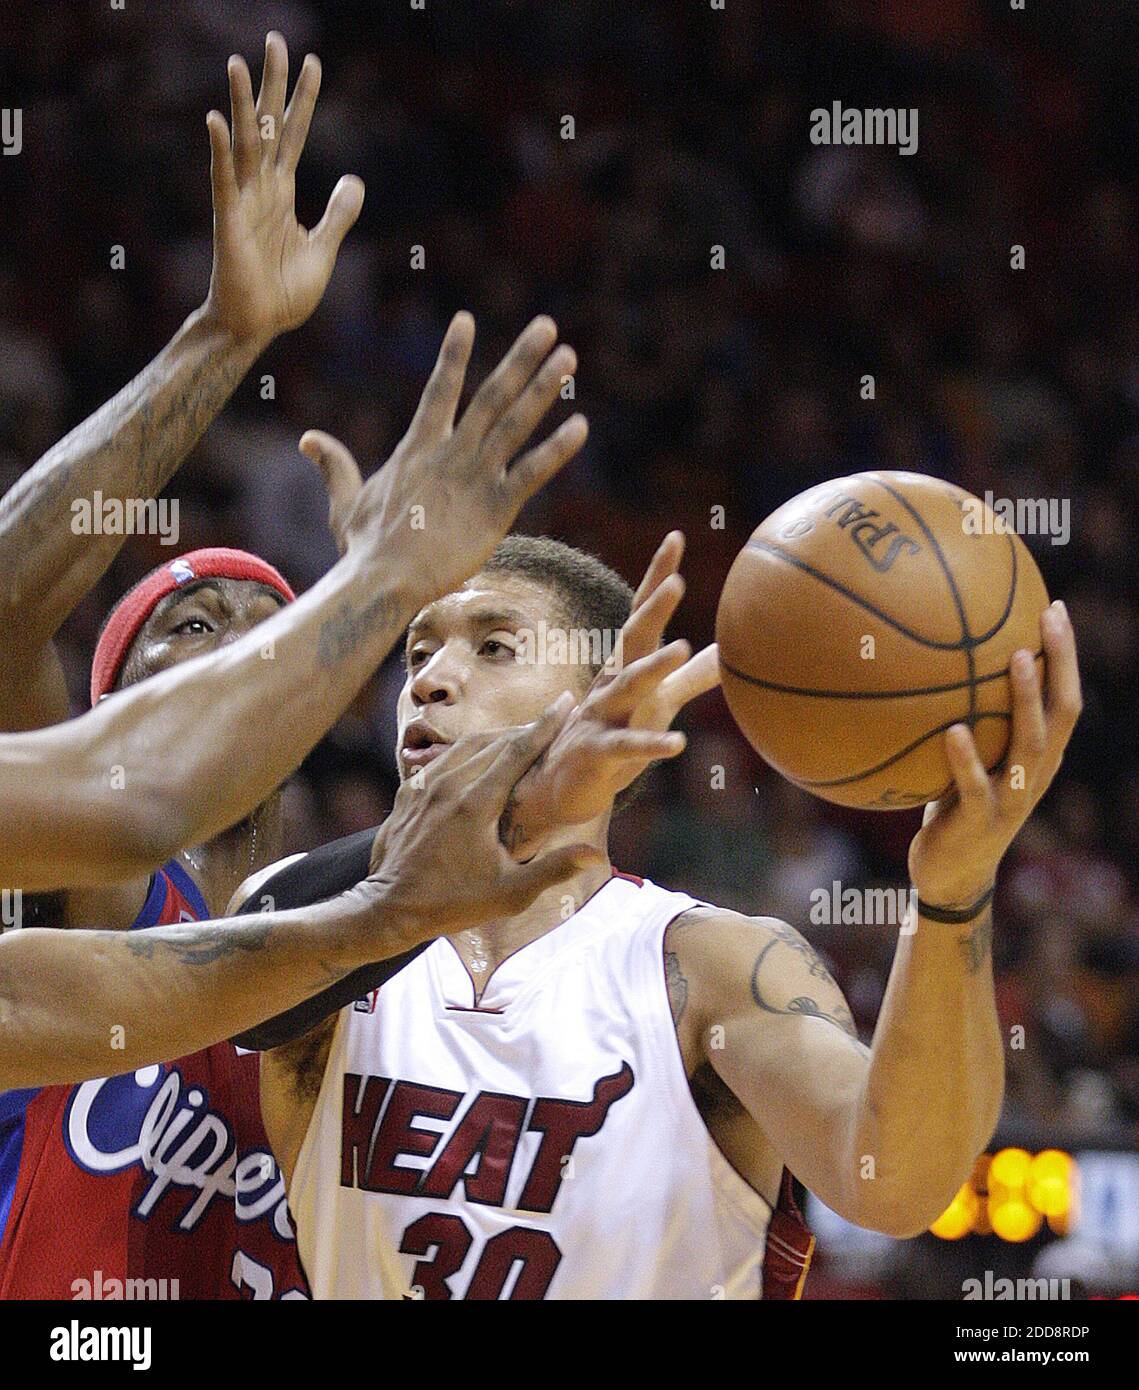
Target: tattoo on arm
132, 444
833, 1007
165, 436
977, 944
205, 944
341, 634
677, 985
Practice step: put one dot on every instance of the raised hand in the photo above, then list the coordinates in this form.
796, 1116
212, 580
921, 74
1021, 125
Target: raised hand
624, 723
954, 856
449, 493
269, 272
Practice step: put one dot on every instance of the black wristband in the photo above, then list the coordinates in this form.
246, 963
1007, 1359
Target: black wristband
956, 915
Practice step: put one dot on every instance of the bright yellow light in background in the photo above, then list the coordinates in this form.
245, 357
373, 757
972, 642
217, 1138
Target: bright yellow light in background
1010, 1194
1050, 1182
958, 1217
1013, 1219
1009, 1169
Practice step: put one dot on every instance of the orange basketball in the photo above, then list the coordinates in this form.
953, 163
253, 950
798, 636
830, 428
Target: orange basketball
861, 620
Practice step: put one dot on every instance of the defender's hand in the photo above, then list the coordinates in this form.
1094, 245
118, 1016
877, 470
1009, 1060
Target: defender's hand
449, 493
437, 862
623, 724
269, 272
954, 856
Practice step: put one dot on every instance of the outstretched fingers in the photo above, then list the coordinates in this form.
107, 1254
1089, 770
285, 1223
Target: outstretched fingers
538, 465
518, 422
246, 141
505, 384
665, 561
343, 208
644, 628
435, 415
298, 116
695, 677
639, 680
223, 181
271, 98
341, 475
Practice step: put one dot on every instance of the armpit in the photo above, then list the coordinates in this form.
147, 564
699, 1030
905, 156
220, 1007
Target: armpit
304, 1060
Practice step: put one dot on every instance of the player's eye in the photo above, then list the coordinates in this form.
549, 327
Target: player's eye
199, 625
496, 649
416, 656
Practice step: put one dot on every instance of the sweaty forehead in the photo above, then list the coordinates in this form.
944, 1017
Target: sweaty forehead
484, 598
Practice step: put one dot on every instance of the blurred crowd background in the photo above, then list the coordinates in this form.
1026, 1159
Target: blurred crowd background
705, 388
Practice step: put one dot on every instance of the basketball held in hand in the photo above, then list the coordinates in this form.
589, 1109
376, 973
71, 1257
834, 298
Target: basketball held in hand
861, 620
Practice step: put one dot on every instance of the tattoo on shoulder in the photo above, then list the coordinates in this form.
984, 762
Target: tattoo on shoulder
977, 944
677, 985
825, 1001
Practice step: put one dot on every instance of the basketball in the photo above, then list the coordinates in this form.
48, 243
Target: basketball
862, 619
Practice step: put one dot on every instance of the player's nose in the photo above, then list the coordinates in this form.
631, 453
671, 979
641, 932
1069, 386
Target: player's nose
435, 683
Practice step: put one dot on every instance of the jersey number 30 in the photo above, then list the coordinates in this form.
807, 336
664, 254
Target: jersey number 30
448, 1235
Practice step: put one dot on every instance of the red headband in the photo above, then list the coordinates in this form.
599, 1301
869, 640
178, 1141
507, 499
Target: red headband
135, 607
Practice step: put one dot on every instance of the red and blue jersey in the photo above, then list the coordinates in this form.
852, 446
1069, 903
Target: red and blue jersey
161, 1174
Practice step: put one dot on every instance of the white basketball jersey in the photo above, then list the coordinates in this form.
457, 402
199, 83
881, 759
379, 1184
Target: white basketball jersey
542, 1145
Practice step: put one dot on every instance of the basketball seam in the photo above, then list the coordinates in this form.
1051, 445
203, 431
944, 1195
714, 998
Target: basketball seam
839, 587
970, 658
864, 694
896, 757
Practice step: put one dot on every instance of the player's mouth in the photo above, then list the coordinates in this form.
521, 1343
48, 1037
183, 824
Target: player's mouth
421, 744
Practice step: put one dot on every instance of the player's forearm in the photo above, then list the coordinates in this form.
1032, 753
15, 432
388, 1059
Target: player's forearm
936, 1078
78, 1004
50, 556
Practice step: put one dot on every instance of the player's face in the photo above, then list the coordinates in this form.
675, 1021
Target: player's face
463, 669
200, 618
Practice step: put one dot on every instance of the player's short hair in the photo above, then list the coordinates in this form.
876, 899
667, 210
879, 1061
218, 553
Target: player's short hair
589, 594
